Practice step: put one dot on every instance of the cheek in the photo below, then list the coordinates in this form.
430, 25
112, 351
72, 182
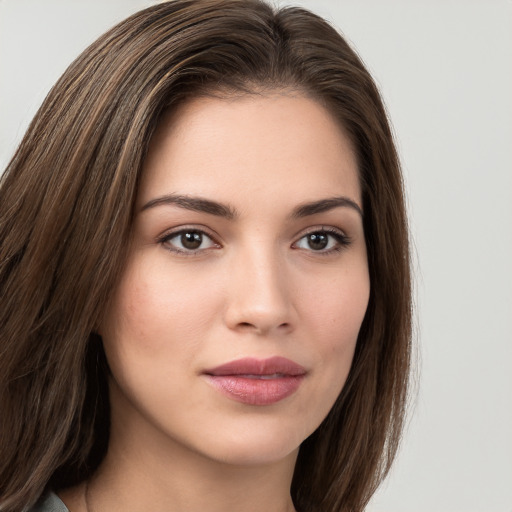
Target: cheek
339, 304
333, 310
154, 309
337, 310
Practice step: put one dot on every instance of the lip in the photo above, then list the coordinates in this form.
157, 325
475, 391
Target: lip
257, 381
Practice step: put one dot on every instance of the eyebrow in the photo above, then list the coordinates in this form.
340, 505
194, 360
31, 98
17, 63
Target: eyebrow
200, 204
197, 204
324, 205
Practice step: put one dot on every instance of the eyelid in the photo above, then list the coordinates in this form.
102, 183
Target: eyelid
190, 227
343, 240
321, 228
171, 233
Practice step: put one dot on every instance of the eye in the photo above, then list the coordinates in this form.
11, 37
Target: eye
188, 241
323, 241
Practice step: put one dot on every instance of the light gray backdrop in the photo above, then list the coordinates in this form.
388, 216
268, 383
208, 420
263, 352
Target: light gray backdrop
445, 70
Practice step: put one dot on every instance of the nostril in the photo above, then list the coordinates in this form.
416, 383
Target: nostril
249, 325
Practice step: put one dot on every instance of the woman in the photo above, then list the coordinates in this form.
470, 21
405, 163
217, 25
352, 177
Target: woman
204, 273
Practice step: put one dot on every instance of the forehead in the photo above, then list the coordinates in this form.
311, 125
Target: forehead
279, 147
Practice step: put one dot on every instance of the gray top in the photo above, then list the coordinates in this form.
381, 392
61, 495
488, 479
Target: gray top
49, 502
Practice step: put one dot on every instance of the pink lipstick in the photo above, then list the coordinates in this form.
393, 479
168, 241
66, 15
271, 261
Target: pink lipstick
257, 381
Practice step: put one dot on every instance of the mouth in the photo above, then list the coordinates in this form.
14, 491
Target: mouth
257, 381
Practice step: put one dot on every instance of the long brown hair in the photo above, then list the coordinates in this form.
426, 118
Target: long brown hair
66, 203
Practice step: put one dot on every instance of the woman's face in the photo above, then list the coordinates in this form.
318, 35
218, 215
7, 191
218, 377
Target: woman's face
233, 328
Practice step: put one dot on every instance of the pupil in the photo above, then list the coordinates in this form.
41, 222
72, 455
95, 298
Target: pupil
317, 241
191, 240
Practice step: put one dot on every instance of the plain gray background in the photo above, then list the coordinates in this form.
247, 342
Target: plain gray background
445, 70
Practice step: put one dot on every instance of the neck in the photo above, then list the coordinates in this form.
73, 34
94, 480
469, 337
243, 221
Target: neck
149, 471
143, 483
241, 489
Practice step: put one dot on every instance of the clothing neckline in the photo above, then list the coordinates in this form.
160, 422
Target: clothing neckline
50, 502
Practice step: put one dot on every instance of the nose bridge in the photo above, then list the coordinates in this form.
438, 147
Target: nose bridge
259, 289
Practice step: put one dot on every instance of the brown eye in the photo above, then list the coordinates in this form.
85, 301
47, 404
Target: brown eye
323, 241
188, 241
317, 241
191, 240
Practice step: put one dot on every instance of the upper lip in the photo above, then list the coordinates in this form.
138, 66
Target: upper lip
252, 366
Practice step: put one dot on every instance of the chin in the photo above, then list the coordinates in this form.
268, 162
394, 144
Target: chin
242, 454
254, 443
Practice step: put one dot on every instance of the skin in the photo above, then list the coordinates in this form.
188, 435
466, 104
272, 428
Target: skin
255, 287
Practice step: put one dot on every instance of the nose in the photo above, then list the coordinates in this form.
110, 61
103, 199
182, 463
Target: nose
260, 294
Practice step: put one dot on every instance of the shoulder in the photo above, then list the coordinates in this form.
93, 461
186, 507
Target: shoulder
49, 502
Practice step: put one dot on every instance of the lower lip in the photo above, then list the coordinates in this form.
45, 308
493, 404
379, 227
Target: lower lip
256, 391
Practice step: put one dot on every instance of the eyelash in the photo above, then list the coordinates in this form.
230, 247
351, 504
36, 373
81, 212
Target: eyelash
343, 241
164, 240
